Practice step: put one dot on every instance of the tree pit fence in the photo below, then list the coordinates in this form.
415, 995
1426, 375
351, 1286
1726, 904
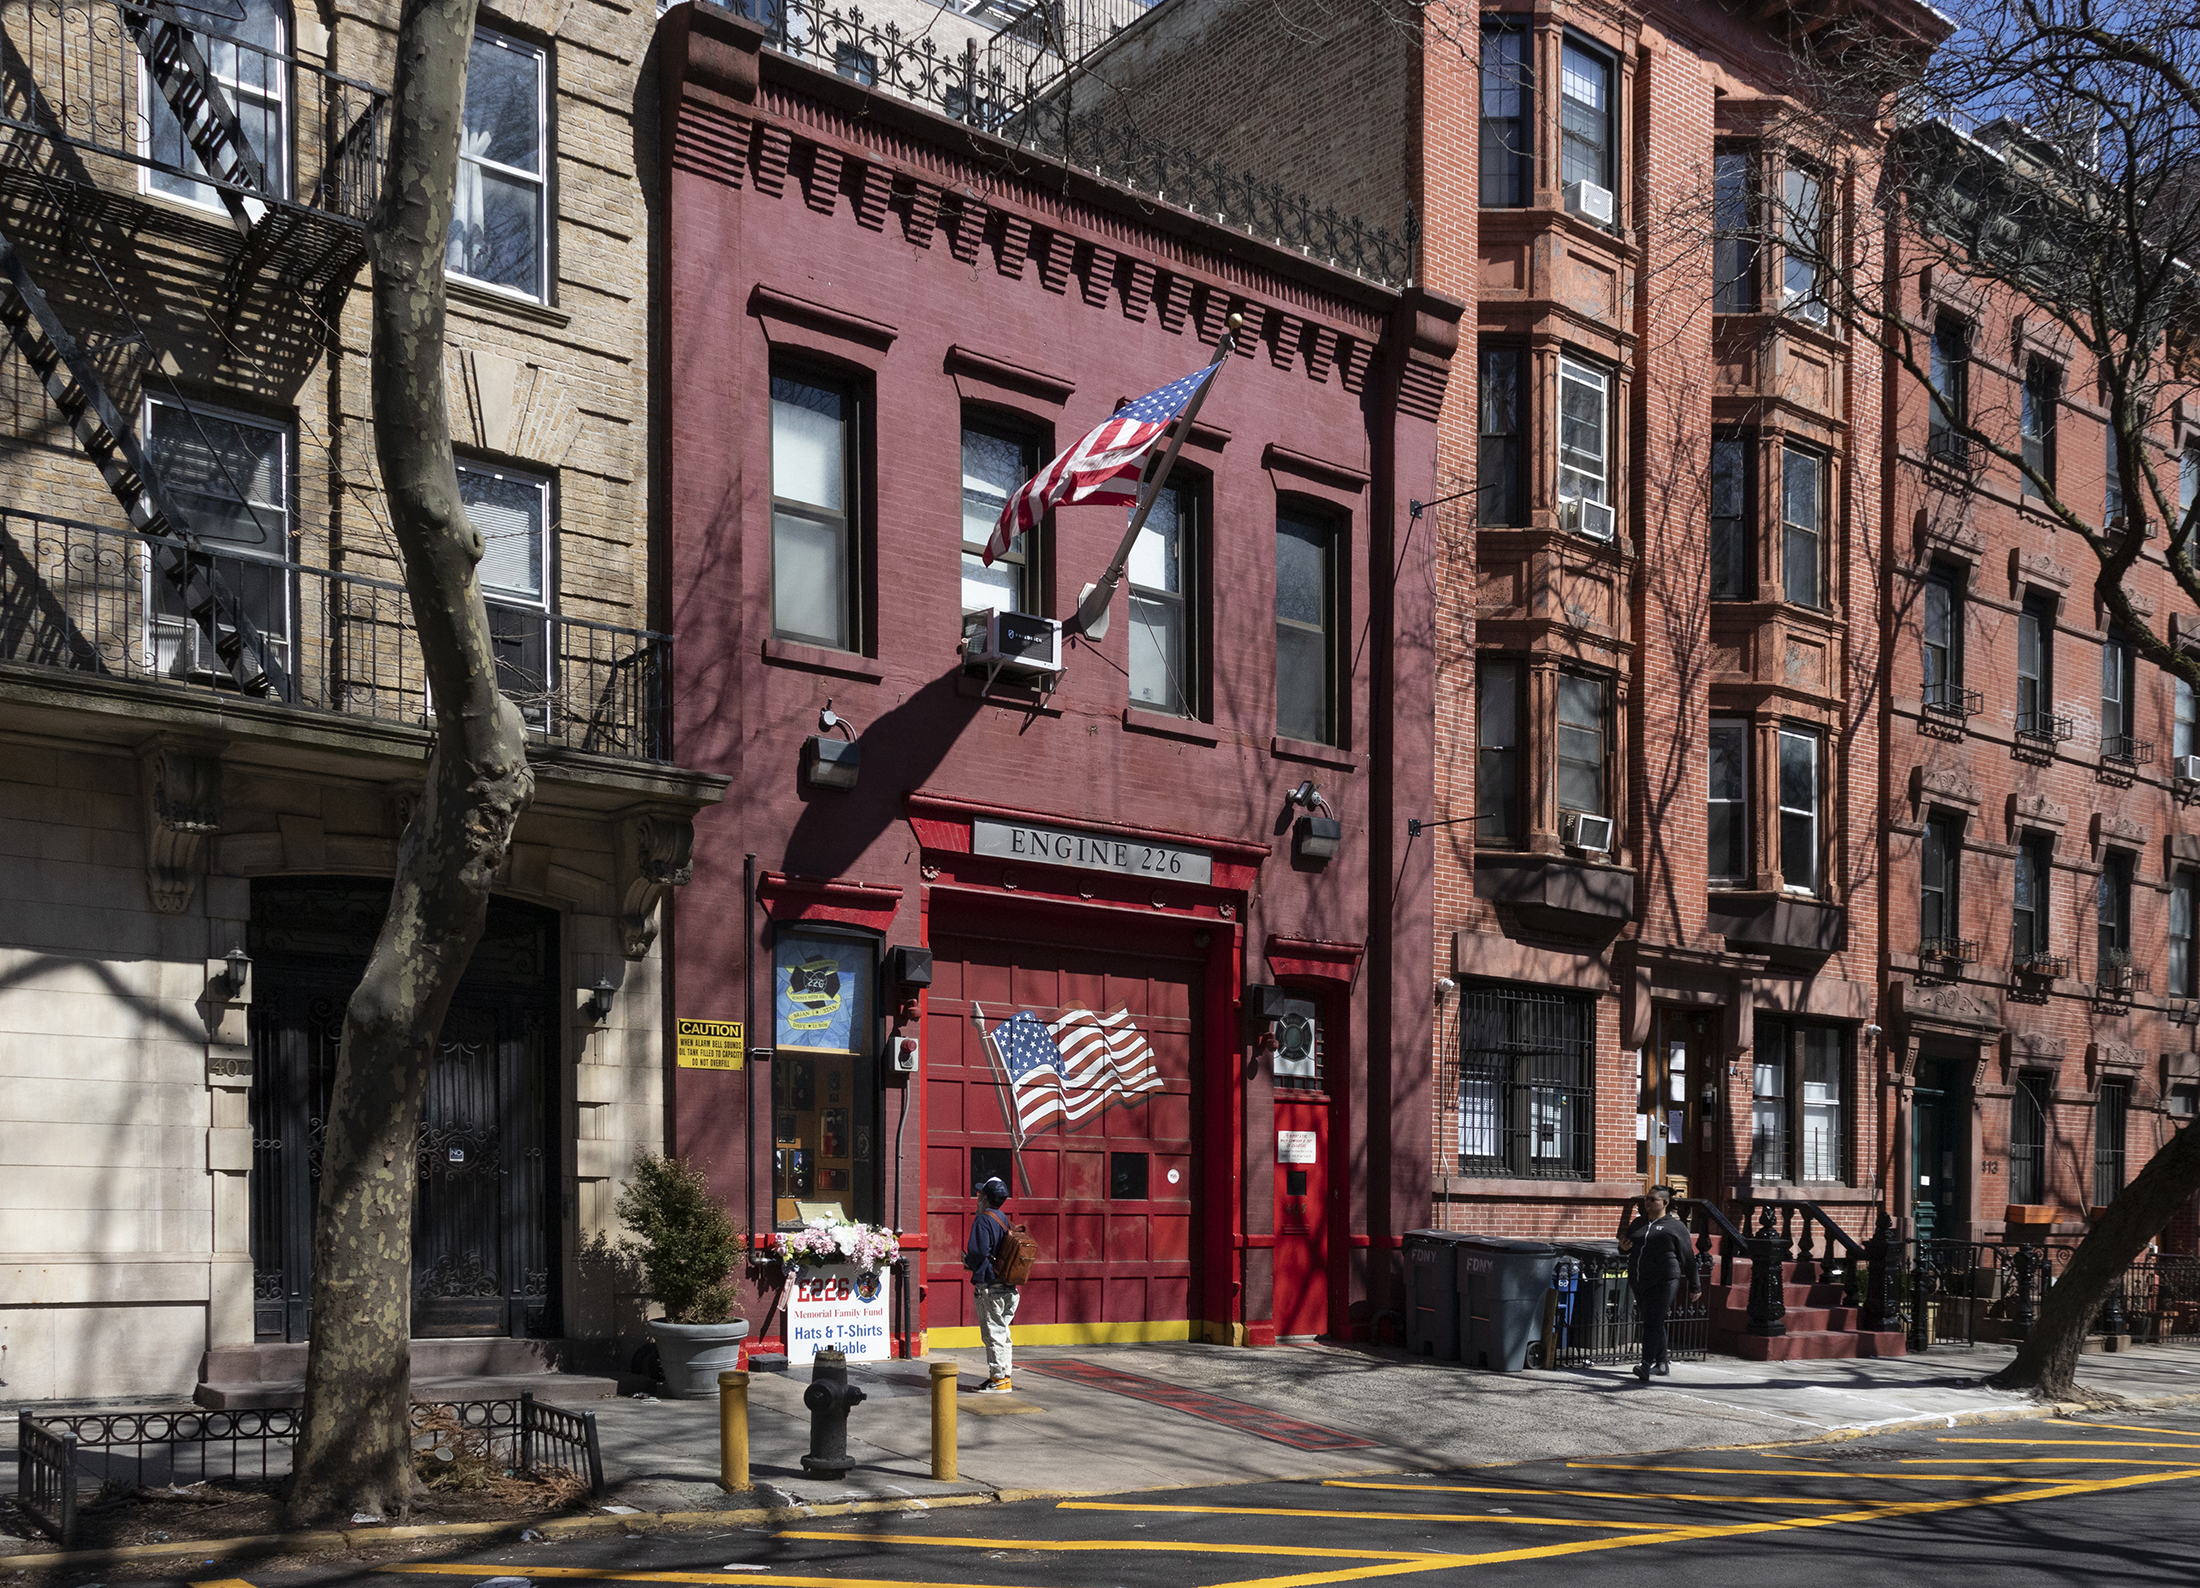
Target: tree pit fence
1592, 1319
121, 1453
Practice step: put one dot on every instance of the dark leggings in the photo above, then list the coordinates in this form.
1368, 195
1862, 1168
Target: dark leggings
1654, 1301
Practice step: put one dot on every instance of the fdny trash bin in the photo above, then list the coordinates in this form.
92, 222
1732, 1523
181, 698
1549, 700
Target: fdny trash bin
1432, 1294
1594, 1305
1502, 1285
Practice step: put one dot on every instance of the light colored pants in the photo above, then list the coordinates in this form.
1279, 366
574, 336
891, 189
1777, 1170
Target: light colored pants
996, 1310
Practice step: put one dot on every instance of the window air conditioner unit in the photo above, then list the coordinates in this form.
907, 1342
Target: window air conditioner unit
1014, 642
1593, 519
2188, 768
1589, 201
1592, 833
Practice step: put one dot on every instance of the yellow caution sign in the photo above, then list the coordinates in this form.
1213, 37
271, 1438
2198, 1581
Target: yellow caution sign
709, 1045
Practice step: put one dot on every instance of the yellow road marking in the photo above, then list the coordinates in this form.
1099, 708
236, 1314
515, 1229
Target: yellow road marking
1362, 1516
1792, 1472
2127, 1428
776, 1578
2021, 1461
2113, 1444
1592, 1494
1103, 1545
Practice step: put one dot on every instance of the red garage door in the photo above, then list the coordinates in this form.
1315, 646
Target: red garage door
1109, 1197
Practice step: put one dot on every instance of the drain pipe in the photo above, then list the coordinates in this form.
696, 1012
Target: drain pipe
748, 1038
901, 1123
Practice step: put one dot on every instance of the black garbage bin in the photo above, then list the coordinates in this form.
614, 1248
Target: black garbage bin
1432, 1294
1595, 1315
1502, 1285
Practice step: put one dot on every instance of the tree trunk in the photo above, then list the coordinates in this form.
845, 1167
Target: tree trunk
354, 1450
2047, 1362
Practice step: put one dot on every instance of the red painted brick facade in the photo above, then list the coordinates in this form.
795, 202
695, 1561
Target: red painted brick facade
941, 272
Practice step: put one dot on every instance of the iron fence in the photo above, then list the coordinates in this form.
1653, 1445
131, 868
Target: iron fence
74, 71
126, 1451
84, 598
1595, 1321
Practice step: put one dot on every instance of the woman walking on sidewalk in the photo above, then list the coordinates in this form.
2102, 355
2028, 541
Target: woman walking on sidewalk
1658, 1257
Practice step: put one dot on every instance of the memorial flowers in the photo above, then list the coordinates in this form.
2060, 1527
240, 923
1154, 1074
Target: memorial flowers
822, 1243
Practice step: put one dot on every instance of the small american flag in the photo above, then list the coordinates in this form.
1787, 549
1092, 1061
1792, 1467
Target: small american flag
1101, 468
1075, 1067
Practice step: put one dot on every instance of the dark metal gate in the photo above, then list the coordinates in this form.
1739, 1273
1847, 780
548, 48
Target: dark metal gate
483, 1213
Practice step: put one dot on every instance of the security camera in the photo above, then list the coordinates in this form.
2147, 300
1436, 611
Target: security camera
1445, 987
1871, 1033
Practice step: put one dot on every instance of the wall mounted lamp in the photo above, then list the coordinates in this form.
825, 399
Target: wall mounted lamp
233, 979
830, 762
599, 999
1314, 839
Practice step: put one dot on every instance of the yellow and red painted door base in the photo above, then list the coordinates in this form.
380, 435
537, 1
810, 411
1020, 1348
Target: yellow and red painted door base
1302, 1218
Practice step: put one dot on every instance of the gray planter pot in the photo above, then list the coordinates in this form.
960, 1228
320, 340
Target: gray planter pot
694, 1354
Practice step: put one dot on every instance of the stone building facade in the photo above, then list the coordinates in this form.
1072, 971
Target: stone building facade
202, 788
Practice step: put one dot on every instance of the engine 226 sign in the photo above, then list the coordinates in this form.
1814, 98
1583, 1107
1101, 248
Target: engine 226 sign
1062, 846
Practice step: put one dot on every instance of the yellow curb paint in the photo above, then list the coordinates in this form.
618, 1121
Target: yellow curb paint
222, 1582
1363, 1516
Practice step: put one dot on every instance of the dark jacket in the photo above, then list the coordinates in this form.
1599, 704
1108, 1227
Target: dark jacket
986, 1231
1659, 1253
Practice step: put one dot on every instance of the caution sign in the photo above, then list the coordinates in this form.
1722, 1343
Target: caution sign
709, 1045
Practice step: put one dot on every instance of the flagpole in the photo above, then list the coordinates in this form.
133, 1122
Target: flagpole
1008, 1094
1094, 600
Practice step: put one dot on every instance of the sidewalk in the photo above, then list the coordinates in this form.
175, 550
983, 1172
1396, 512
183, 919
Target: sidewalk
1338, 1411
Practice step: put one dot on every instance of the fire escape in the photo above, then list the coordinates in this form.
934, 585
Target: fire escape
90, 89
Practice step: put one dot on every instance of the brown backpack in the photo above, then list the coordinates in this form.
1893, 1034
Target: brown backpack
1014, 1256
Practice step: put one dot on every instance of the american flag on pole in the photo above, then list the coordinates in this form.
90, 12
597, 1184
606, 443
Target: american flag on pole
1075, 1067
1102, 467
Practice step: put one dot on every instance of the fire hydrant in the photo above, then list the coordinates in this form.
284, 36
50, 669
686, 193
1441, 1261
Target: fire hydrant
829, 1397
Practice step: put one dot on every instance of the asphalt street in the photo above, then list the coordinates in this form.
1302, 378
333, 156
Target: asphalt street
2105, 1499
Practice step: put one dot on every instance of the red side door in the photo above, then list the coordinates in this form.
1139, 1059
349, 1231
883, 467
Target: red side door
1302, 1217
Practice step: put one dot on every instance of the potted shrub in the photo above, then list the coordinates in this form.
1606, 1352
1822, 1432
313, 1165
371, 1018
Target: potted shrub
687, 1249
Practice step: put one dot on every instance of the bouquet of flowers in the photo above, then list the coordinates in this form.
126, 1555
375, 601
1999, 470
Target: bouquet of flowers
821, 1243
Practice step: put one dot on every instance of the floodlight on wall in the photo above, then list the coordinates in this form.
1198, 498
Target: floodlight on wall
830, 762
1314, 839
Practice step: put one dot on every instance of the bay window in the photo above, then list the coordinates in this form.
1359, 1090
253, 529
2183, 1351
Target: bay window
1802, 530
1497, 813
1728, 824
1734, 232
1585, 117
1799, 809
1733, 553
1507, 131
1584, 430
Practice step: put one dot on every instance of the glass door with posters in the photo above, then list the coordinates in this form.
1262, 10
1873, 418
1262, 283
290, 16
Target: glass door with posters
825, 1093
1302, 1175
1672, 1132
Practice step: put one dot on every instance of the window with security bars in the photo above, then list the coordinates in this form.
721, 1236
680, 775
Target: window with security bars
1527, 1103
2109, 1116
2028, 1141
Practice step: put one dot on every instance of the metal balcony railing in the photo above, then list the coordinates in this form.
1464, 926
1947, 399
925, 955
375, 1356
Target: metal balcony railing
83, 599
2041, 967
73, 73
2119, 978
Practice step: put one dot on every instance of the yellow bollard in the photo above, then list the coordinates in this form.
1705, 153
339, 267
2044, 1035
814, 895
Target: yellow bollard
944, 1468
733, 1431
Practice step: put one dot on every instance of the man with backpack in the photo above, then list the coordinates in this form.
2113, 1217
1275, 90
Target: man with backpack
999, 1258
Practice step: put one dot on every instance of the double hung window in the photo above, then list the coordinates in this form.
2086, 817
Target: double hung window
2028, 1141
1508, 128
815, 546
2042, 397
1527, 1104
2028, 914
1585, 117
2110, 1111
1500, 479
995, 461
1583, 706
1942, 633
2036, 666
2188, 481
500, 219
229, 477
1734, 232
2185, 730
1733, 558
1307, 549
2119, 681
2113, 909
2112, 496
1803, 232
1798, 1102
1497, 813
511, 510
1164, 569
1802, 527
1949, 395
1728, 823
1940, 872
1800, 792
247, 56
2184, 895
1584, 431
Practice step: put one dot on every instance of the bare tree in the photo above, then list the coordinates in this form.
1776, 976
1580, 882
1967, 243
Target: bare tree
355, 1451
2045, 157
